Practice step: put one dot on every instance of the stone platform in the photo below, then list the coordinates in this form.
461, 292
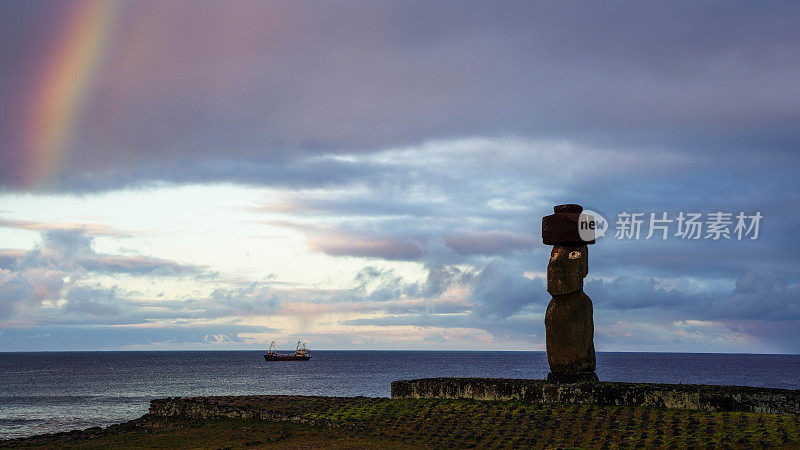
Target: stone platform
673, 396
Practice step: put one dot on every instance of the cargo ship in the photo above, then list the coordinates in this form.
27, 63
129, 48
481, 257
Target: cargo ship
300, 353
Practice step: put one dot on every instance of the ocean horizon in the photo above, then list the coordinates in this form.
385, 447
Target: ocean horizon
46, 392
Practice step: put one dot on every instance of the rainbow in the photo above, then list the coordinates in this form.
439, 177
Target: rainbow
65, 79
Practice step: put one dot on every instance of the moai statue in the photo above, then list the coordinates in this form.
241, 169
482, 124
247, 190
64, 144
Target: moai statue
568, 321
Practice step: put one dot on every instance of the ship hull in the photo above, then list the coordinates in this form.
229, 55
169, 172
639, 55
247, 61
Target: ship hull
286, 358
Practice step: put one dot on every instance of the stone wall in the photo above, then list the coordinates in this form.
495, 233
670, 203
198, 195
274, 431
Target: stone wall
675, 396
237, 407
275, 408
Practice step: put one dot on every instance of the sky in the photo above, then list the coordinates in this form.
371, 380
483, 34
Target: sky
372, 175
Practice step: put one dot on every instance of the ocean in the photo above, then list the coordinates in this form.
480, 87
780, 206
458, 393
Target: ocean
50, 392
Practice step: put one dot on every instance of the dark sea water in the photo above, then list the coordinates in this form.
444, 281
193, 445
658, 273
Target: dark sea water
49, 392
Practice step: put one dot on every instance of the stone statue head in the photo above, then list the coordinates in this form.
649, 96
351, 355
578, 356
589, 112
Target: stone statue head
567, 268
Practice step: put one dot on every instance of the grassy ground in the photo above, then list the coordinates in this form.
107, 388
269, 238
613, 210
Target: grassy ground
383, 423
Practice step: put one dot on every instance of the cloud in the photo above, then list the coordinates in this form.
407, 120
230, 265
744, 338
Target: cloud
10, 257
220, 339
13, 291
71, 337
71, 244
28, 289
501, 291
484, 198
427, 135
490, 295
55, 269
490, 242
92, 300
67, 242
372, 283
73, 249
441, 278
90, 229
169, 95
656, 314
137, 264
756, 296
353, 245
253, 299
331, 241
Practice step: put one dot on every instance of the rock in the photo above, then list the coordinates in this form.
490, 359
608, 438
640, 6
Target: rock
570, 334
568, 208
568, 321
578, 377
604, 393
567, 268
563, 226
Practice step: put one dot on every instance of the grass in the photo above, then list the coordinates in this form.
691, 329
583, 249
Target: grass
316, 422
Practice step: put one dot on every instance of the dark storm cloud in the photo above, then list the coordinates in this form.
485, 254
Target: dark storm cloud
277, 83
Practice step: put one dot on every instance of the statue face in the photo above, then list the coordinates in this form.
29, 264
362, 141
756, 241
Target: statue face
567, 268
